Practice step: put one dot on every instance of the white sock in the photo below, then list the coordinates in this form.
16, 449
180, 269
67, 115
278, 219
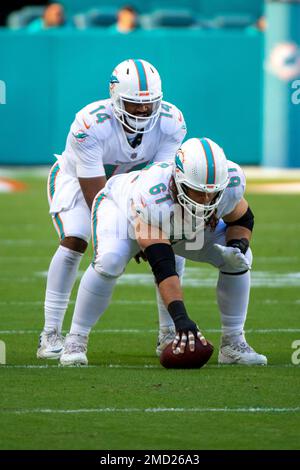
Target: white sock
93, 297
61, 278
233, 298
165, 320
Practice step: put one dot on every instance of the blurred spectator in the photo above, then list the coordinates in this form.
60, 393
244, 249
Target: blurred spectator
126, 20
259, 25
53, 17
15, 5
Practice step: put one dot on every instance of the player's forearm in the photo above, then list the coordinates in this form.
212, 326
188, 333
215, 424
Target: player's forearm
170, 290
237, 232
171, 293
162, 261
90, 188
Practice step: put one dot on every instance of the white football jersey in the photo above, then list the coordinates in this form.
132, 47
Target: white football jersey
97, 144
149, 194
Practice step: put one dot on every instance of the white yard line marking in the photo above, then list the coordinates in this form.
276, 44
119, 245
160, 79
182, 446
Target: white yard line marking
22, 303
201, 277
194, 278
130, 366
152, 331
152, 410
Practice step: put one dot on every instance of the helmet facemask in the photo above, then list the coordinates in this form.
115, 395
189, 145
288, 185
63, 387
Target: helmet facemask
136, 123
201, 212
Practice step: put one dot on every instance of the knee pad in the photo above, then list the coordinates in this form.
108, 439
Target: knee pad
110, 264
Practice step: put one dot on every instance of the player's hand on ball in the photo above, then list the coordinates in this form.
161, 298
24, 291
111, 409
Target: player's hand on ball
186, 335
233, 257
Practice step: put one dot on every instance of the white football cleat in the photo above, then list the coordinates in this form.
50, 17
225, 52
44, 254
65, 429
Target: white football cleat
50, 345
236, 350
166, 336
75, 349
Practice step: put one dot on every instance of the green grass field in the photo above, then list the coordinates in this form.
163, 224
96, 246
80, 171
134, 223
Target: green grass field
125, 399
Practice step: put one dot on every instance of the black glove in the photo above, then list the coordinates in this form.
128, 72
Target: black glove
184, 325
186, 329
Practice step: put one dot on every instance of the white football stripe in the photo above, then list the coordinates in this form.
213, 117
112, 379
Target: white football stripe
152, 410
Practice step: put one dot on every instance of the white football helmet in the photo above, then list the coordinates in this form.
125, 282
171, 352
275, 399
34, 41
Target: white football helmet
200, 164
135, 81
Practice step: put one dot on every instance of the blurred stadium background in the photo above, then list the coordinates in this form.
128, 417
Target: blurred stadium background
232, 76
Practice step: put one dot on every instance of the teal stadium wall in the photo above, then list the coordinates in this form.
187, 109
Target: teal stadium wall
214, 76
205, 8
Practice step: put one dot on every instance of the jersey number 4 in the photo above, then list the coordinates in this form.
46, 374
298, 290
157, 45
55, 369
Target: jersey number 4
101, 117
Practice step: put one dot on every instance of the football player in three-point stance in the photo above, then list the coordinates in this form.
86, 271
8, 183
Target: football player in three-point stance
109, 137
136, 212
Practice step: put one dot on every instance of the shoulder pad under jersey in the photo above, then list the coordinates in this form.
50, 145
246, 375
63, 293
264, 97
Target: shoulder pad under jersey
171, 119
96, 117
235, 189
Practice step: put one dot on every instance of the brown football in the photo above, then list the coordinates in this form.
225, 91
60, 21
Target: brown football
189, 359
